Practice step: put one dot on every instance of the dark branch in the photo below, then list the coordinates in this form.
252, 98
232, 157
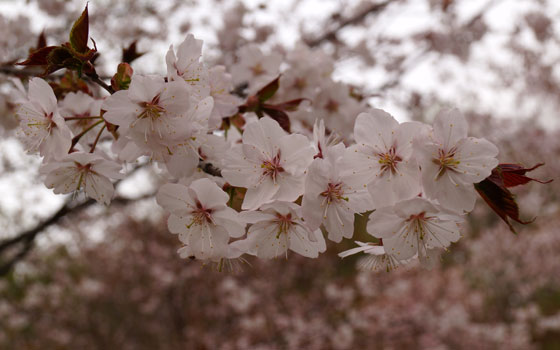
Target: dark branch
26, 239
356, 19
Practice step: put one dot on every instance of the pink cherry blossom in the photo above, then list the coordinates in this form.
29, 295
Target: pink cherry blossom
413, 226
225, 104
82, 108
375, 260
201, 217
451, 162
42, 127
270, 163
255, 68
383, 155
87, 171
279, 227
186, 66
333, 195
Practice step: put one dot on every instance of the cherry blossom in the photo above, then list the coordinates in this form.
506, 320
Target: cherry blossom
270, 163
81, 110
150, 111
186, 65
87, 171
413, 227
255, 68
451, 162
278, 227
375, 260
201, 217
225, 104
41, 126
333, 195
383, 155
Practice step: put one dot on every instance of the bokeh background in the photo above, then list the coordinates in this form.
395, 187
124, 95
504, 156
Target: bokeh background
109, 277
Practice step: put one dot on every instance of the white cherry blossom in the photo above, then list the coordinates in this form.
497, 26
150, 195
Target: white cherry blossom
376, 258
279, 227
151, 111
87, 171
451, 162
255, 68
225, 104
201, 217
186, 66
383, 155
270, 163
412, 227
333, 195
81, 108
41, 126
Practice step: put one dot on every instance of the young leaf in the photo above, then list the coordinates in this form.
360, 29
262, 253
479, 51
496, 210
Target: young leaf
494, 191
514, 174
80, 33
280, 116
269, 90
38, 57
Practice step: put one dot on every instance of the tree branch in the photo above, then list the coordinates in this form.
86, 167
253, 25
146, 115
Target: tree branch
357, 18
26, 239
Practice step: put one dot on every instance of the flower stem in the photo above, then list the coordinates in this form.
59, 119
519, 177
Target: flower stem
97, 138
79, 136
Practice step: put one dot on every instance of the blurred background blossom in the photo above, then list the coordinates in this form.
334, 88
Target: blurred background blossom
109, 278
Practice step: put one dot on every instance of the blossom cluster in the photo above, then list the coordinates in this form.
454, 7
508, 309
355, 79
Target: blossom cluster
340, 158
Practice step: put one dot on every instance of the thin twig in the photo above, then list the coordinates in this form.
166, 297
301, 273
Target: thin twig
331, 34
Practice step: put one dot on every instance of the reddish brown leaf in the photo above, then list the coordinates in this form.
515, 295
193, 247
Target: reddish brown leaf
80, 33
269, 90
514, 174
129, 54
41, 41
38, 57
280, 116
500, 199
290, 106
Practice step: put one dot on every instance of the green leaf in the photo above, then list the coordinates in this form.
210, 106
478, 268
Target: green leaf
80, 33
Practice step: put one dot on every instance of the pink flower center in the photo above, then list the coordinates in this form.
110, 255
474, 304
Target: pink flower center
300, 83
417, 224
284, 223
332, 106
272, 167
389, 161
334, 193
201, 215
446, 161
152, 110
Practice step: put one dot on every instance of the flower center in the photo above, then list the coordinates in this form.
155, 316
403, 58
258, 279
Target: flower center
332, 106
257, 69
272, 167
389, 161
333, 193
284, 223
300, 83
152, 110
201, 215
417, 223
446, 161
